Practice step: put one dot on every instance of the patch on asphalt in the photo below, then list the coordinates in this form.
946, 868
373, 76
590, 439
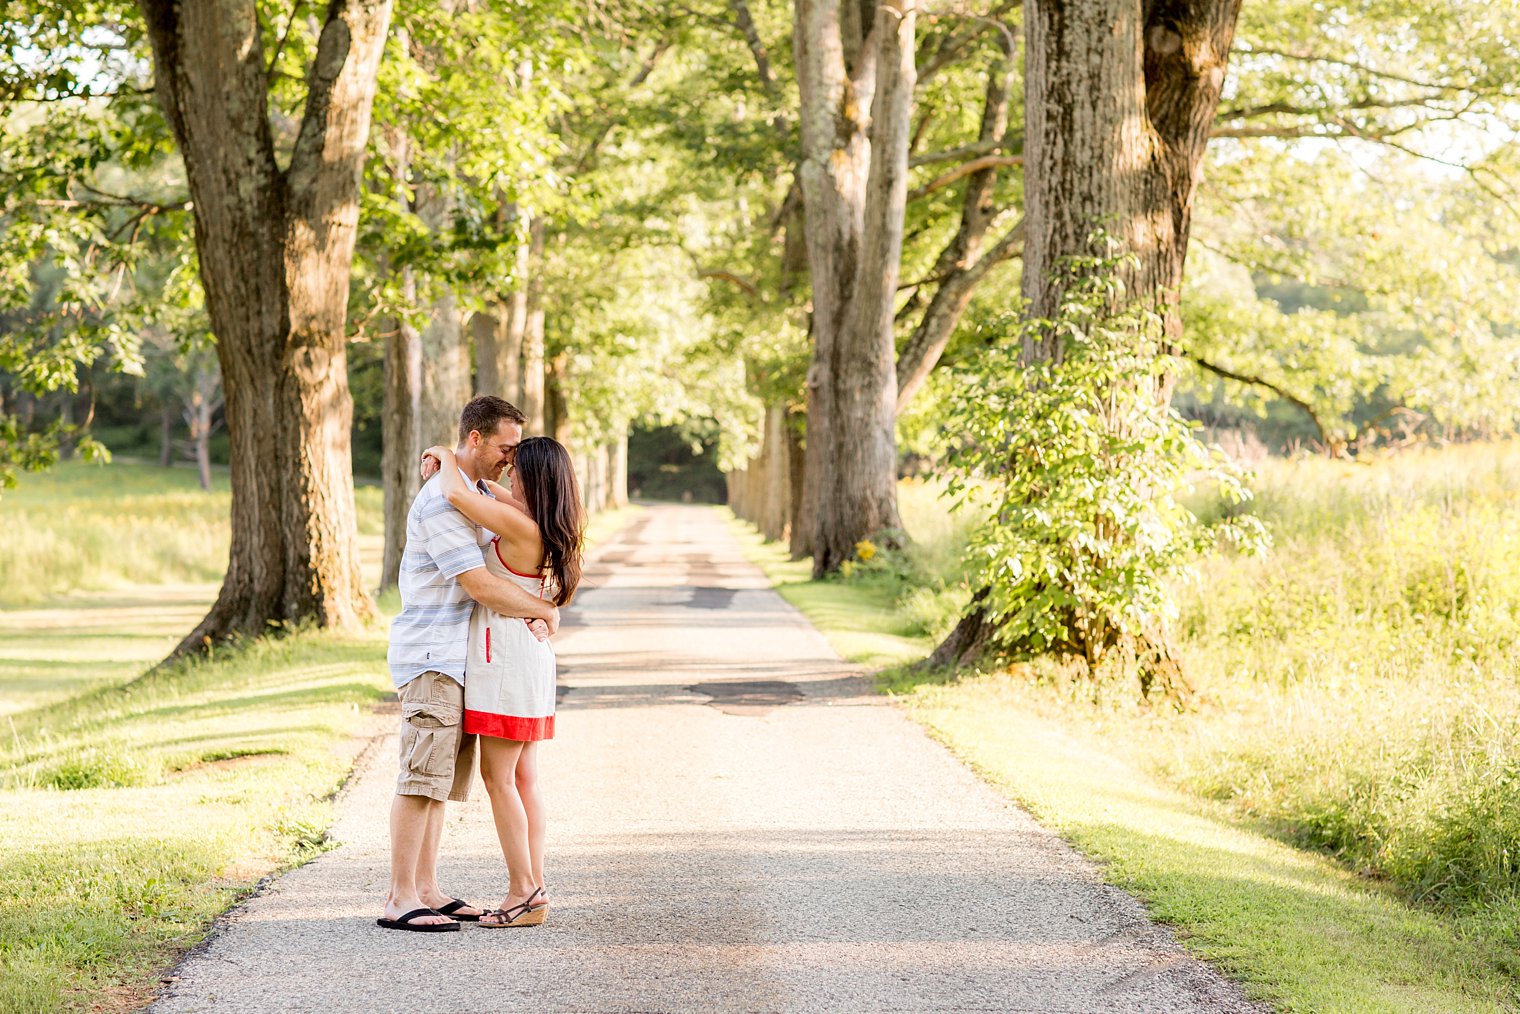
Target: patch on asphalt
753, 697
711, 598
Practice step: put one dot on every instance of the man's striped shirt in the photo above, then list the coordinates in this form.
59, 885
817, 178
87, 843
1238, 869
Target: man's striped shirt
433, 631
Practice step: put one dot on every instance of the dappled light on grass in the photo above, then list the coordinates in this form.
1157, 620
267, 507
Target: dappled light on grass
1302, 931
52, 652
90, 528
134, 814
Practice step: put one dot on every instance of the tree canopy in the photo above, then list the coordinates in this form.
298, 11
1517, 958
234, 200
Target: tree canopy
606, 212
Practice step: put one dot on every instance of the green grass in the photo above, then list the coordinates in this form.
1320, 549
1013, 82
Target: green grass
1336, 818
52, 653
892, 608
134, 814
95, 528
859, 619
1300, 930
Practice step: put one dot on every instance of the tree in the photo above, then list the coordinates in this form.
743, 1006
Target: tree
856, 85
275, 244
1119, 105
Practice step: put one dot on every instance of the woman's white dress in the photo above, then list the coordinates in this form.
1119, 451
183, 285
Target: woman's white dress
509, 675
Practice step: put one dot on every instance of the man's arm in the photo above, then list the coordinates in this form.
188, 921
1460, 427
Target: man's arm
507, 598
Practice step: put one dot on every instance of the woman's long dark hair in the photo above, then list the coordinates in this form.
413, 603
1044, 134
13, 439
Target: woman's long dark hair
554, 500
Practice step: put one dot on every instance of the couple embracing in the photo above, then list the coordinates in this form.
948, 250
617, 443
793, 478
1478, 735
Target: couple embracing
485, 569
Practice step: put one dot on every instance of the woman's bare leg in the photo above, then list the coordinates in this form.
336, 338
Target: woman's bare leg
498, 769
533, 806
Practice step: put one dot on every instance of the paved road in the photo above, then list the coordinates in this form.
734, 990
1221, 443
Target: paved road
737, 824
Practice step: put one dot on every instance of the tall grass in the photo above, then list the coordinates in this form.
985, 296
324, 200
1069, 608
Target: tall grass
924, 580
1360, 682
98, 528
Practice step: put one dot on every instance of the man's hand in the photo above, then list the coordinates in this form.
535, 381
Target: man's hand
538, 628
507, 598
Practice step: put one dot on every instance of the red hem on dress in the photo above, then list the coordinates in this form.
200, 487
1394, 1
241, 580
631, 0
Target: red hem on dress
521, 730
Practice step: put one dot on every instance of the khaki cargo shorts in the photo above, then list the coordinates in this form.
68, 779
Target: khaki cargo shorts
437, 757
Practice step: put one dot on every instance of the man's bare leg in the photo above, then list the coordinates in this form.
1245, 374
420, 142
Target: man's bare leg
410, 817
427, 865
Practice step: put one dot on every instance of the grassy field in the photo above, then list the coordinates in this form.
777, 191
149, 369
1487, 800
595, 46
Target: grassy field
135, 808
1336, 818
133, 814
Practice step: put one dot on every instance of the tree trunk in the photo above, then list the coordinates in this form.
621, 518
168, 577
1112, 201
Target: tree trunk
555, 421
1117, 141
275, 250
486, 328
401, 433
69, 438
533, 364
962, 264
198, 410
762, 491
1118, 105
166, 436
857, 93
445, 372
515, 325
617, 470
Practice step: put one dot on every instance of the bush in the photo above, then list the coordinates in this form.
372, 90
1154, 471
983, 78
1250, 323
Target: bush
1083, 470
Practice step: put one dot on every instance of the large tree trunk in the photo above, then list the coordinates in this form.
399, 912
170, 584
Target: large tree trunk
275, 250
857, 94
401, 433
1117, 141
1119, 98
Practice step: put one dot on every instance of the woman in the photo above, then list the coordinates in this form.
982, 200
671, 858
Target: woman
509, 684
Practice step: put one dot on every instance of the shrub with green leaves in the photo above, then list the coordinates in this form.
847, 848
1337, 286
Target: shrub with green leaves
1083, 466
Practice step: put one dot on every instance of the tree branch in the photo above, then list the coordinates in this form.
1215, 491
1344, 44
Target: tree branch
927, 344
751, 35
1357, 66
975, 165
1292, 399
643, 75
994, 146
322, 78
279, 46
950, 50
1288, 109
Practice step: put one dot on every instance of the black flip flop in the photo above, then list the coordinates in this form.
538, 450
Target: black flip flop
454, 906
405, 923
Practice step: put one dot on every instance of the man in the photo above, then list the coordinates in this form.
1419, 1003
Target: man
443, 575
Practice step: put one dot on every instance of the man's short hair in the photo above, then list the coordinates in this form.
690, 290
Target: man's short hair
485, 414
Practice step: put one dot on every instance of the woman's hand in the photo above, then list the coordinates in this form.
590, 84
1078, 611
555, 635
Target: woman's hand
433, 460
